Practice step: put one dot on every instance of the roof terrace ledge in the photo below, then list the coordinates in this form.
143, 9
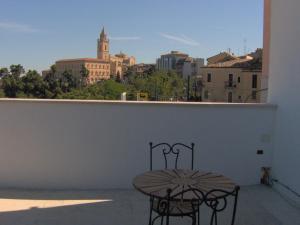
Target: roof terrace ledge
116, 102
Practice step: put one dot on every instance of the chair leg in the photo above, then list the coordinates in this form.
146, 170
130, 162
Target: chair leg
213, 219
198, 215
151, 210
194, 219
234, 208
162, 220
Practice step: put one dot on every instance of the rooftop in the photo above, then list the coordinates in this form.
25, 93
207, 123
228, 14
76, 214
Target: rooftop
82, 60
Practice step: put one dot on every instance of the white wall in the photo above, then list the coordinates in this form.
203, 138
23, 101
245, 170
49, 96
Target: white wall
60, 144
284, 84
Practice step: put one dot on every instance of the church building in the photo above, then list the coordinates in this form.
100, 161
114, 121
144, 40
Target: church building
103, 67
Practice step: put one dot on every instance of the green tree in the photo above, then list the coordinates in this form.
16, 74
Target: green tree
105, 90
84, 72
2, 94
33, 84
12, 85
118, 78
165, 86
3, 72
17, 70
67, 81
111, 90
52, 82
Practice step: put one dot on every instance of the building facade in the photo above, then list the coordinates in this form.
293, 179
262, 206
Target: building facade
143, 68
181, 63
189, 67
237, 79
170, 60
98, 69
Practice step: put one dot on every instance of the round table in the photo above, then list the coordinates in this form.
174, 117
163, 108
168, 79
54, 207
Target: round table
156, 183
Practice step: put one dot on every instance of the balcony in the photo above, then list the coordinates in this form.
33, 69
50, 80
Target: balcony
93, 150
230, 84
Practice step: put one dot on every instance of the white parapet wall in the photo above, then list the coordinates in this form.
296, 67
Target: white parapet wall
93, 144
284, 91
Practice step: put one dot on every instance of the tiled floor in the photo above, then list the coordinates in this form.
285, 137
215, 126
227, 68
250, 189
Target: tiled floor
258, 205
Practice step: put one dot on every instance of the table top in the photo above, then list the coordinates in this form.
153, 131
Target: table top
156, 183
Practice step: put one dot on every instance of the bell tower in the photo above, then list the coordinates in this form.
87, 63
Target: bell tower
103, 46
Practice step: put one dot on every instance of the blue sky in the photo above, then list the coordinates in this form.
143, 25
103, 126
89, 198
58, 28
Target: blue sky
36, 33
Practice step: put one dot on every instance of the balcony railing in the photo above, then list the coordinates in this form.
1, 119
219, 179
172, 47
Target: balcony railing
230, 84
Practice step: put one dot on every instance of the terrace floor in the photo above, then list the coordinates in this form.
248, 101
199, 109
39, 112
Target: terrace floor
258, 205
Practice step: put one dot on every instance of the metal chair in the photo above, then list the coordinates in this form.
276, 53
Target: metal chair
215, 199
169, 150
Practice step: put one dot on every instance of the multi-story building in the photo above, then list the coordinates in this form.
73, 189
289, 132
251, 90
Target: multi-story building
143, 68
228, 78
189, 67
169, 61
120, 64
98, 69
181, 63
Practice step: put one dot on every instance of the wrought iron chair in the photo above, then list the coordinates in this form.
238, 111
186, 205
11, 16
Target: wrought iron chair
167, 150
214, 199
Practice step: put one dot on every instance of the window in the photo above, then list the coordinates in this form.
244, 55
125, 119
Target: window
209, 77
239, 79
230, 80
254, 81
230, 97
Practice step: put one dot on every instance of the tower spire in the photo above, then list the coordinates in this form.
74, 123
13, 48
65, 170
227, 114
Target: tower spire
103, 46
103, 35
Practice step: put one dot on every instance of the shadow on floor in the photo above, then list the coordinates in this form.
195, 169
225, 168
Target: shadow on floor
257, 206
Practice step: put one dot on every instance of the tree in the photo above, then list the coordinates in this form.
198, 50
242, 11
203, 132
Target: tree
84, 72
33, 84
16, 70
67, 81
165, 86
12, 86
118, 77
52, 83
3, 72
111, 90
197, 87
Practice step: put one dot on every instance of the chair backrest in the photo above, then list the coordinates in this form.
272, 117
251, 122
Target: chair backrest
168, 151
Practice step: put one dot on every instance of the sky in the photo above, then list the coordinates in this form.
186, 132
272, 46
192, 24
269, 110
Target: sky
36, 33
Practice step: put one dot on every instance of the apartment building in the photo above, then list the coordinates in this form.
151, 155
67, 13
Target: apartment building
228, 78
181, 63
